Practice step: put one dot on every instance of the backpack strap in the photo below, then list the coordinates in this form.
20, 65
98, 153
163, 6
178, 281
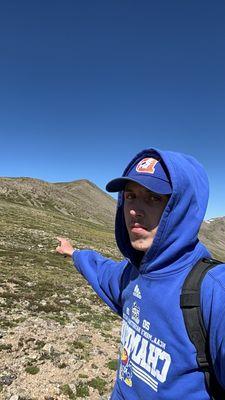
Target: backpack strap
190, 303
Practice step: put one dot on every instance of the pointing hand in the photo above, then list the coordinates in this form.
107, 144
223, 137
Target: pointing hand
64, 247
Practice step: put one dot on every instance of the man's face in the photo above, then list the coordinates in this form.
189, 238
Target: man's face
142, 211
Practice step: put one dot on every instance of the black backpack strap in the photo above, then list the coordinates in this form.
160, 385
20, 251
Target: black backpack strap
190, 303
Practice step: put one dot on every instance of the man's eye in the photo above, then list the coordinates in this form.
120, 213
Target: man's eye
129, 196
154, 198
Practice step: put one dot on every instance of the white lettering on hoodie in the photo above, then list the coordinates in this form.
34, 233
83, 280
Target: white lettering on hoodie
143, 355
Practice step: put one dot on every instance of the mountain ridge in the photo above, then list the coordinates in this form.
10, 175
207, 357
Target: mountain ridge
77, 198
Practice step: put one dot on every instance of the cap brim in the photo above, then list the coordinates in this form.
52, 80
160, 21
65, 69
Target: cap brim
118, 184
154, 184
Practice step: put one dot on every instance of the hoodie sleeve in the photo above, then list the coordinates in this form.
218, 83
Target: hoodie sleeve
213, 307
103, 274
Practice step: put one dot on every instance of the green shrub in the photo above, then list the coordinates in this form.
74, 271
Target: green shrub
65, 389
82, 390
5, 346
113, 364
32, 370
62, 365
99, 384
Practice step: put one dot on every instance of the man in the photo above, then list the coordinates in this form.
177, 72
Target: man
161, 204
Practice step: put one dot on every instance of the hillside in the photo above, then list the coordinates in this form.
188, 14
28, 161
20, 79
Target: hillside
81, 199
54, 331
213, 236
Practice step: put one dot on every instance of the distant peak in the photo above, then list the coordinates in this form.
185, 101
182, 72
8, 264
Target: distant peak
208, 221
76, 182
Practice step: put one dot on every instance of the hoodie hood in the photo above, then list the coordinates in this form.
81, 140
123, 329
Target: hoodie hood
176, 242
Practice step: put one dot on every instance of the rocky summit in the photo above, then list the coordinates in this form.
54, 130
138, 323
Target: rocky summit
57, 339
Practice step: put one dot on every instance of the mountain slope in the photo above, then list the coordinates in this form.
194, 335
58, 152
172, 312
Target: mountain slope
212, 235
80, 198
51, 323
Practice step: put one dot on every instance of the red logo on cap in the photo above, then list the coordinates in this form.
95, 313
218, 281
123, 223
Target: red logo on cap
147, 165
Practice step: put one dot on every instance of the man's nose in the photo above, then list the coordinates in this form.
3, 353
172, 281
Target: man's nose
136, 212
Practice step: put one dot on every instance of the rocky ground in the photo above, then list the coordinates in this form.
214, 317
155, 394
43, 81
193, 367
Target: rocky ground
61, 346
43, 360
58, 341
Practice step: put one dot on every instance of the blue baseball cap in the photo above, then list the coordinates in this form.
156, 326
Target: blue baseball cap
148, 172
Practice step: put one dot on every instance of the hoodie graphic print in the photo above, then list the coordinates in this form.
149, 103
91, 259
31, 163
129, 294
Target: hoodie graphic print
156, 358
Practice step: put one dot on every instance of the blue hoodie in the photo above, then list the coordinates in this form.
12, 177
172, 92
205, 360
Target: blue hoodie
157, 359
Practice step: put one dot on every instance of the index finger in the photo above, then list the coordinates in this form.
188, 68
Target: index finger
60, 239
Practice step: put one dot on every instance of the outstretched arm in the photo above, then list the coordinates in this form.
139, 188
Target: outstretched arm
103, 274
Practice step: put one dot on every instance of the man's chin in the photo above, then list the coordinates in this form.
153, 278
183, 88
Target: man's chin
140, 245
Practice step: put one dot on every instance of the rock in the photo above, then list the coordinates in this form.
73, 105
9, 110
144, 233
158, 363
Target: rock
48, 348
64, 302
30, 284
7, 379
26, 303
72, 387
14, 397
43, 302
21, 393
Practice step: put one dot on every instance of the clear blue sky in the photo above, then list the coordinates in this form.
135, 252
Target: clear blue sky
84, 85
